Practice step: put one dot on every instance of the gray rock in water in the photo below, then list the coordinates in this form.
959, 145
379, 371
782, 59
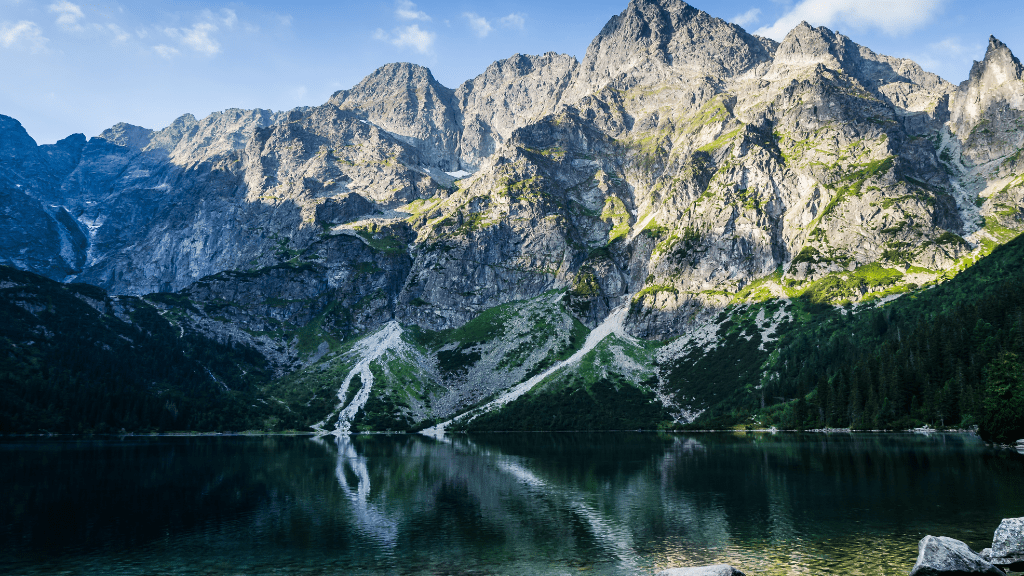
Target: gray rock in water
716, 570
1007, 545
939, 555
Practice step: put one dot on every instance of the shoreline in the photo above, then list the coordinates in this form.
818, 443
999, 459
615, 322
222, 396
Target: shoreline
391, 433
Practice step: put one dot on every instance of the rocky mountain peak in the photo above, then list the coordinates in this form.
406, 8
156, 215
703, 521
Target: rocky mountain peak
128, 135
389, 78
65, 154
806, 45
992, 96
658, 41
407, 101
508, 94
998, 67
13, 138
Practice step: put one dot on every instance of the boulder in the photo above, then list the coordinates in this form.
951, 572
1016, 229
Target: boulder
716, 570
939, 555
1007, 545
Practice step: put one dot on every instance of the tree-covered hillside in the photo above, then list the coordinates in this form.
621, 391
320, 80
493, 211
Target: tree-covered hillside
950, 355
73, 359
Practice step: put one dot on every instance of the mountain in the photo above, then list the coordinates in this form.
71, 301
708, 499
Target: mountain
423, 250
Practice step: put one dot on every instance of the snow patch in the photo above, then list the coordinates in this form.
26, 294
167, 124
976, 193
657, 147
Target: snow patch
458, 174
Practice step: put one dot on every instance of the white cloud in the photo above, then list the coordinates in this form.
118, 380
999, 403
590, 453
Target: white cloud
479, 24
412, 36
407, 11
229, 18
68, 14
954, 48
747, 18
893, 18
285, 20
197, 38
165, 51
24, 35
513, 21
379, 34
119, 34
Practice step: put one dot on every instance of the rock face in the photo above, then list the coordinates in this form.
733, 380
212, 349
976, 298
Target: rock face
509, 94
1007, 545
36, 234
939, 555
682, 165
716, 570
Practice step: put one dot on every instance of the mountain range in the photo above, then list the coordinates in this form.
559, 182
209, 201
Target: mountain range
410, 255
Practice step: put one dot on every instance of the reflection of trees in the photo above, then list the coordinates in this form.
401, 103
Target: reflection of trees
638, 502
478, 493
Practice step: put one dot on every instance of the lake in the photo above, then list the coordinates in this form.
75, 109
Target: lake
547, 504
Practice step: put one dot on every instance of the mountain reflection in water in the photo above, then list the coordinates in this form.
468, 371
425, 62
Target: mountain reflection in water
605, 503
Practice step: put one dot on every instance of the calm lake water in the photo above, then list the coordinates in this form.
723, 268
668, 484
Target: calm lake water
614, 503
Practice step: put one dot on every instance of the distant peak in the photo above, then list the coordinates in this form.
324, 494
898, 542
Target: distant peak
998, 56
996, 49
661, 3
130, 135
396, 74
403, 69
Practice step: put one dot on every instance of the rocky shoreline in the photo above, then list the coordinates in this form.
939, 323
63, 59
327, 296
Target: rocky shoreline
936, 555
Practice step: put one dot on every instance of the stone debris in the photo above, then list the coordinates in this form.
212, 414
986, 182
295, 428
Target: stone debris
716, 570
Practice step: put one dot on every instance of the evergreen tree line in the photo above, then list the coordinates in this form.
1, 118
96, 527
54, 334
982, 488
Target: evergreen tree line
66, 367
951, 356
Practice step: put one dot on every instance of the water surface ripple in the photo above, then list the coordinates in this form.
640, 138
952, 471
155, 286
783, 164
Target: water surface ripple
496, 504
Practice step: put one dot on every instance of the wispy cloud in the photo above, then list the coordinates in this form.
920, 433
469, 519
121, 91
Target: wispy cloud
513, 21
950, 57
119, 34
227, 17
165, 51
481, 27
198, 37
24, 35
68, 15
747, 18
408, 37
893, 18
407, 11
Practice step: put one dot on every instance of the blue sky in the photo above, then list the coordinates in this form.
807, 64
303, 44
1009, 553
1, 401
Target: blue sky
81, 66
